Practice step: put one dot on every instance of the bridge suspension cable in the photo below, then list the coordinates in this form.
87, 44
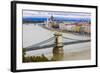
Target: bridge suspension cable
71, 38
38, 44
41, 46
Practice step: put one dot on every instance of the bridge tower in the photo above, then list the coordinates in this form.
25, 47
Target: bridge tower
58, 48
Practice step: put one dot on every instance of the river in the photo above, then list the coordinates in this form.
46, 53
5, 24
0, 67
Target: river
33, 34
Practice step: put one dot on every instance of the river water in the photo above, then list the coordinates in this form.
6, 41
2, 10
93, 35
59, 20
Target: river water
33, 34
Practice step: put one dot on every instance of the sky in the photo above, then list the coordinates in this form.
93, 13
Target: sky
27, 13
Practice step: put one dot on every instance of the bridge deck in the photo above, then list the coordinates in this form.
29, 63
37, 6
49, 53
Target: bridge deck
52, 45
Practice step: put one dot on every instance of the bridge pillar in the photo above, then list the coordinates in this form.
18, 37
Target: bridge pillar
58, 49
